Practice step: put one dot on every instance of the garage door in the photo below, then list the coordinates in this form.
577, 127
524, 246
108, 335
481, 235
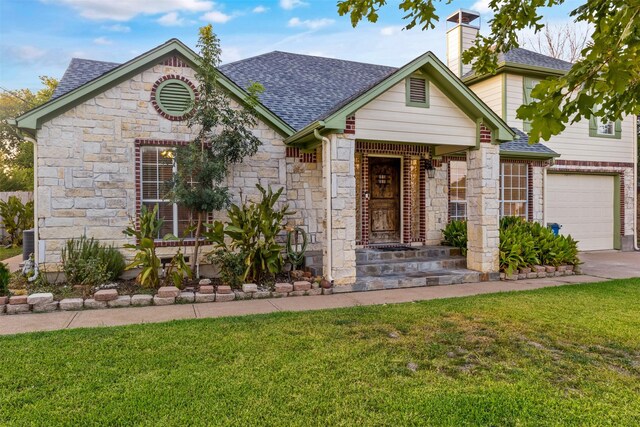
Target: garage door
583, 205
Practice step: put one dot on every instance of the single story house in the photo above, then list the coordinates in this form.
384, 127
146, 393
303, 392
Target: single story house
369, 155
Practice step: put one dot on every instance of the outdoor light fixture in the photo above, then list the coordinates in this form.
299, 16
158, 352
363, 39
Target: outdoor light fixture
428, 166
168, 154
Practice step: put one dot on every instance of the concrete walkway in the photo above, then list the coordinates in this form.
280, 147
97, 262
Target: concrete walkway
13, 263
599, 266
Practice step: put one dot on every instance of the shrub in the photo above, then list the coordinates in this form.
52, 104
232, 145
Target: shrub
455, 234
5, 277
16, 217
252, 229
87, 262
230, 266
522, 244
146, 258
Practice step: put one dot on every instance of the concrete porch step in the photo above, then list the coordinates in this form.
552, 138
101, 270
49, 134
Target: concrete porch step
406, 266
388, 254
412, 280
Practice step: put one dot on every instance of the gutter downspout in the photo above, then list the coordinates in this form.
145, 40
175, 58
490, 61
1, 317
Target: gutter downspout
36, 240
326, 153
635, 185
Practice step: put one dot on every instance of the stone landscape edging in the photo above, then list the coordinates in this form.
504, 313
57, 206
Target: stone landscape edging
166, 295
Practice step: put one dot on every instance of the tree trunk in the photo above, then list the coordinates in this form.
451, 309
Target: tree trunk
196, 246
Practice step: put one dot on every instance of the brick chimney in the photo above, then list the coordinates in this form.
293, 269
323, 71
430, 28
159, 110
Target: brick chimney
460, 37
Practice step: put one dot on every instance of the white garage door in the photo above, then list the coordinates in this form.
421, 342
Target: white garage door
583, 205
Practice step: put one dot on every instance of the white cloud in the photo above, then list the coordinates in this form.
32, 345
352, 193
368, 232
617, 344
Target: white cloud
482, 6
292, 4
28, 53
123, 10
171, 19
391, 30
117, 28
102, 41
310, 24
260, 9
216, 17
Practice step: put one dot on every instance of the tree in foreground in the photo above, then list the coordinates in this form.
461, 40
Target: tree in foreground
604, 82
224, 138
16, 153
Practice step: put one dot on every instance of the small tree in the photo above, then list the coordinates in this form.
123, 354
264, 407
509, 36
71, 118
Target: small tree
224, 138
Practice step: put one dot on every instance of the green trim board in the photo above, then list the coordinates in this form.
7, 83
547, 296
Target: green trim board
527, 155
593, 129
528, 83
504, 97
33, 119
515, 68
617, 238
437, 74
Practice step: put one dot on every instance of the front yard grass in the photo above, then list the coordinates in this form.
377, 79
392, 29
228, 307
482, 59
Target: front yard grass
568, 355
9, 252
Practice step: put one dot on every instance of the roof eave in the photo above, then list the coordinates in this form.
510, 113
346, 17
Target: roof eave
305, 137
517, 68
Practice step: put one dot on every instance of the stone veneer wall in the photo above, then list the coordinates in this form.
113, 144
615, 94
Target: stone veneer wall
437, 203
86, 166
306, 196
343, 260
483, 206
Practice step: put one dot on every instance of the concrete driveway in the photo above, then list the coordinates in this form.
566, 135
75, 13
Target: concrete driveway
611, 264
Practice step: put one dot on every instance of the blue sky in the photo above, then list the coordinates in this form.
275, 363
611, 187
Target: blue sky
39, 37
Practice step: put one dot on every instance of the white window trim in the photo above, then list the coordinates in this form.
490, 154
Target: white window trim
526, 193
154, 201
460, 202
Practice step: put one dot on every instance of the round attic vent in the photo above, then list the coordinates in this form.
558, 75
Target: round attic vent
173, 97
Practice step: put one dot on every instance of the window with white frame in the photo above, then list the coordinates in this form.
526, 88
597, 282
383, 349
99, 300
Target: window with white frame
514, 179
458, 190
156, 171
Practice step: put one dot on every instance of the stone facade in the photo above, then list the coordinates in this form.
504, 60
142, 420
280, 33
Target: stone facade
86, 167
483, 208
437, 204
343, 209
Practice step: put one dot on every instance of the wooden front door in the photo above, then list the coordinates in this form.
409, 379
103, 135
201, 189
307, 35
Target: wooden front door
384, 200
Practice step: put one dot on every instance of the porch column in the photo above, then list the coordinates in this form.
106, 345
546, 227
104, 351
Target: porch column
343, 192
483, 206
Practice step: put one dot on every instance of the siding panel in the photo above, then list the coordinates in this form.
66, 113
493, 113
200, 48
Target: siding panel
388, 118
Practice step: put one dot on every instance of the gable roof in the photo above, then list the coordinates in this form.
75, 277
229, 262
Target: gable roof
33, 119
527, 60
428, 63
302, 88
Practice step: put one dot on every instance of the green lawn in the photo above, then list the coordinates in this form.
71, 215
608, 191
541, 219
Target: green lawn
568, 355
9, 252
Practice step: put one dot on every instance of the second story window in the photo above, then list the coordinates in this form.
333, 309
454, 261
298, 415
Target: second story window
598, 127
604, 128
529, 84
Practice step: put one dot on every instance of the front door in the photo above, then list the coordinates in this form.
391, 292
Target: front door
384, 200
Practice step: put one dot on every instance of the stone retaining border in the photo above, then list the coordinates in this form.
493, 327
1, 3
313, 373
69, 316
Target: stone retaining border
540, 272
167, 295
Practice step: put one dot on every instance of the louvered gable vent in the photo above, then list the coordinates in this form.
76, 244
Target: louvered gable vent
175, 97
417, 92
